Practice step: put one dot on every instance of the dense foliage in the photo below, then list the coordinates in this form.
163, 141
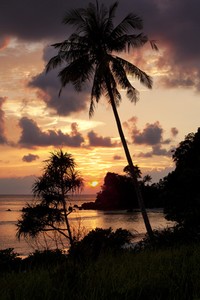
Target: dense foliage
98, 242
181, 191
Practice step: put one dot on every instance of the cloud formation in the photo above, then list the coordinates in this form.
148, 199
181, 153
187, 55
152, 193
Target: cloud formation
117, 157
48, 86
32, 136
3, 139
156, 150
174, 131
99, 141
151, 135
30, 157
32, 20
175, 26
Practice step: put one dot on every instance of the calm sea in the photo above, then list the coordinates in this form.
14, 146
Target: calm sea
81, 220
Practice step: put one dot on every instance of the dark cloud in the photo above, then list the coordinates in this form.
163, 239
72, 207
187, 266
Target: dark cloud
99, 141
32, 20
30, 157
42, 20
117, 157
151, 135
176, 26
32, 136
48, 86
156, 150
174, 131
3, 139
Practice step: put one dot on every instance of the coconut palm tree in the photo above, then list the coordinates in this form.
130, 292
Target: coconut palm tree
90, 54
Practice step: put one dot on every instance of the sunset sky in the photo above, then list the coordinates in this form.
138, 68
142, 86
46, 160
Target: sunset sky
34, 121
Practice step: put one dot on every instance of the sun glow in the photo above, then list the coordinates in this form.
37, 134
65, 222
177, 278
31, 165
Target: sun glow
93, 183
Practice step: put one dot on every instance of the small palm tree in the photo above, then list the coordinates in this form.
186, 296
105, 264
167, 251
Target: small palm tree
137, 171
52, 189
90, 54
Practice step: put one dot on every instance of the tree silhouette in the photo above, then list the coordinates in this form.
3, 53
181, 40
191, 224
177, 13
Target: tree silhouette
137, 171
181, 187
88, 55
52, 189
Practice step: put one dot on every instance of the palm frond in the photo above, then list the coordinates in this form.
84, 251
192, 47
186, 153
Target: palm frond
75, 17
136, 72
53, 63
97, 87
123, 81
92, 107
73, 48
125, 42
132, 94
131, 21
136, 41
78, 72
119, 73
112, 10
109, 20
117, 96
153, 45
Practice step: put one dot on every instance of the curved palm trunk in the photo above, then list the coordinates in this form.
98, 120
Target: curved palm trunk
130, 162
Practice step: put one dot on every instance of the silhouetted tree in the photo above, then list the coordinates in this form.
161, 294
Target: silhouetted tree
52, 189
88, 55
181, 187
117, 192
137, 171
147, 179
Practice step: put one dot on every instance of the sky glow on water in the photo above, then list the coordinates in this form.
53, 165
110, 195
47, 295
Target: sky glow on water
85, 220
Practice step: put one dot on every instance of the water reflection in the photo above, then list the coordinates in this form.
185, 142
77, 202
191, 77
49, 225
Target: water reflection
82, 220
132, 221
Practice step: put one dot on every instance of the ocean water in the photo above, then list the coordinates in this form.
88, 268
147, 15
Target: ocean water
82, 221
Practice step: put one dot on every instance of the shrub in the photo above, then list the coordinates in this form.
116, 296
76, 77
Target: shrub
99, 241
45, 259
169, 237
9, 260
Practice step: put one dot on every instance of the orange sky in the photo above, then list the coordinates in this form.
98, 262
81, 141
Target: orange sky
33, 122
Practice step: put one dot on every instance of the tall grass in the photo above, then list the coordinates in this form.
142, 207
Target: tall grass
172, 273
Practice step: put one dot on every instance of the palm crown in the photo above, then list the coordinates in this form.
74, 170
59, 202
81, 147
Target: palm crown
88, 52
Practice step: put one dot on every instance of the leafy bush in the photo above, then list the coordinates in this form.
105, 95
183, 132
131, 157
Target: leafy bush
46, 258
169, 237
9, 260
99, 241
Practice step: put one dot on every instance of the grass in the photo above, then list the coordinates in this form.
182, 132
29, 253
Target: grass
171, 273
